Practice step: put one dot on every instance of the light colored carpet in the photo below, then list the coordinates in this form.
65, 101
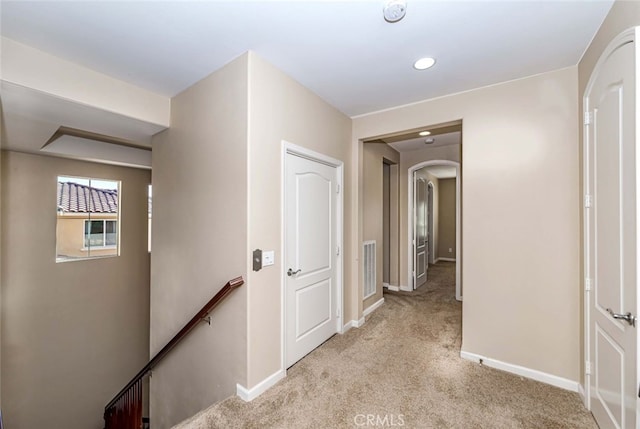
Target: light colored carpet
401, 369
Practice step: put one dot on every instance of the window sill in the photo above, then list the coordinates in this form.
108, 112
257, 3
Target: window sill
83, 258
84, 249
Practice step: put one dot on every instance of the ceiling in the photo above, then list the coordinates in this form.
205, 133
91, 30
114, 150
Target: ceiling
441, 171
418, 143
344, 51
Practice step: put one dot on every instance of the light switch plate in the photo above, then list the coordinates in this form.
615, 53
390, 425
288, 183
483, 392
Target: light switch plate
268, 258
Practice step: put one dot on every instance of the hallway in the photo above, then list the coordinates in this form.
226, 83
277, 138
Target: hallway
402, 368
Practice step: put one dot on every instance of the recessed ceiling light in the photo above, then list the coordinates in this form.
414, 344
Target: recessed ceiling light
424, 133
394, 10
424, 63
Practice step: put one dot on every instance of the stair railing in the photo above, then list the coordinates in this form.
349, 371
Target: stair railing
125, 409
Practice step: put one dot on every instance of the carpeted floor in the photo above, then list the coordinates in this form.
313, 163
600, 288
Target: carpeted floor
401, 369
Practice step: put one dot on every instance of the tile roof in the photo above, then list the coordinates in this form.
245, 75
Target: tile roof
76, 198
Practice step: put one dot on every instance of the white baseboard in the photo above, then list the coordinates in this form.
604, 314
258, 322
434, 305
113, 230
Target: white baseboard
533, 374
373, 307
583, 395
393, 288
446, 259
353, 324
248, 395
406, 288
385, 284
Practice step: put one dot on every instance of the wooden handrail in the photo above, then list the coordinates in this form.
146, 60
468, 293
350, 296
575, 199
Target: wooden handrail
200, 315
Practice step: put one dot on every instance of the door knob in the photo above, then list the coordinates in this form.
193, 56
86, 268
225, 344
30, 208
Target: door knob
631, 320
291, 272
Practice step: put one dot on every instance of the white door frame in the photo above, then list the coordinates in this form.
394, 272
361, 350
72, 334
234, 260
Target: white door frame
410, 217
627, 36
293, 149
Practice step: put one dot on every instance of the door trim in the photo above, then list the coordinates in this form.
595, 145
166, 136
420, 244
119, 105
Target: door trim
410, 222
630, 35
293, 149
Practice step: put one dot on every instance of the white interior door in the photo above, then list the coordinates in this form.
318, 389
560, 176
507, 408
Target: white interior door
430, 242
420, 231
611, 238
311, 255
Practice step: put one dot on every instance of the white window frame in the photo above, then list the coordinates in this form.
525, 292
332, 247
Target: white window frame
104, 234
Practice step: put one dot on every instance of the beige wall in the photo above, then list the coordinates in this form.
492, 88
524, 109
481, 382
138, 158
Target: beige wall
73, 333
374, 153
2, 133
386, 191
408, 160
199, 242
282, 109
520, 184
623, 15
447, 218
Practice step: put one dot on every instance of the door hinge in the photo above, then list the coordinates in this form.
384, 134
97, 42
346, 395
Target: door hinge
587, 118
588, 201
338, 251
337, 189
587, 367
587, 284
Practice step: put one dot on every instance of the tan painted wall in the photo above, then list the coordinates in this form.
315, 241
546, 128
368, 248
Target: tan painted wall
623, 15
2, 139
408, 160
199, 242
394, 224
447, 218
73, 333
520, 185
373, 199
386, 236
282, 109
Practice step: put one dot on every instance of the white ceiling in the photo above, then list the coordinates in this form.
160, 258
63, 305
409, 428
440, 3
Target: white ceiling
342, 50
419, 143
442, 171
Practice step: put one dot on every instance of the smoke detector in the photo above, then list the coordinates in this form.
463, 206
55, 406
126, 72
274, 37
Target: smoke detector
429, 140
394, 10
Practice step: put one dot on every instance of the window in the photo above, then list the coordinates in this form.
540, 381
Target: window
100, 233
88, 214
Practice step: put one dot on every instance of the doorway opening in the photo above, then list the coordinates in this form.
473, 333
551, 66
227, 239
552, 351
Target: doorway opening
434, 219
392, 167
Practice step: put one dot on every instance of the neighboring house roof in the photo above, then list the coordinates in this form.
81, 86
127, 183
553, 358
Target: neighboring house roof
76, 198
